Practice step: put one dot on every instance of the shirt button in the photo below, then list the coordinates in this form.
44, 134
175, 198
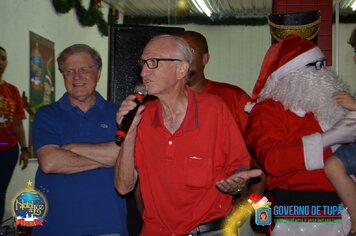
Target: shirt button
170, 142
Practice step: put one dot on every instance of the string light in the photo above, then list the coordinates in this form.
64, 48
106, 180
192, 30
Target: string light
202, 7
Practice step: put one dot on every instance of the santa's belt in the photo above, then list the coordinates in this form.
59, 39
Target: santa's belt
305, 198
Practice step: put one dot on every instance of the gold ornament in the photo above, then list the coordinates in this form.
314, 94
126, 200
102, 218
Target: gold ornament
182, 7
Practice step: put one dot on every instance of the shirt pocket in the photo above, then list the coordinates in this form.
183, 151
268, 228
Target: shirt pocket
198, 172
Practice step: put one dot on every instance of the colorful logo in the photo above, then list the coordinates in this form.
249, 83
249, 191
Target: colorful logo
29, 207
263, 215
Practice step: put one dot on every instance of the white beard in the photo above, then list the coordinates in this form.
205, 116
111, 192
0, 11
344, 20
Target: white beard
308, 90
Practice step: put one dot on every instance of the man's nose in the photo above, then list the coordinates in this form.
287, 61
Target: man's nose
144, 70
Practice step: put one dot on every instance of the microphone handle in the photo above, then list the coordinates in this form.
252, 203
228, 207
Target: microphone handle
127, 121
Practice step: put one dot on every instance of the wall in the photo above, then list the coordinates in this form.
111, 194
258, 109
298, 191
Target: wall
236, 53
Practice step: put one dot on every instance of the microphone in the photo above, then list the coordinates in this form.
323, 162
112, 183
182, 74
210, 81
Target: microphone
140, 93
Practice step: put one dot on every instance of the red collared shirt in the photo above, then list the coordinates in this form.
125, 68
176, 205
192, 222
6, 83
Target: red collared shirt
235, 99
178, 172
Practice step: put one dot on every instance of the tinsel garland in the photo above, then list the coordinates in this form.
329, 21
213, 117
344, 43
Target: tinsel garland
86, 17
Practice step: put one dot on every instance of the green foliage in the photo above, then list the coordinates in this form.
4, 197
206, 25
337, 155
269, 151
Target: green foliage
86, 17
63, 6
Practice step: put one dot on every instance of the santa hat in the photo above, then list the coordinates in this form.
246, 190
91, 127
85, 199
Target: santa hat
292, 53
257, 200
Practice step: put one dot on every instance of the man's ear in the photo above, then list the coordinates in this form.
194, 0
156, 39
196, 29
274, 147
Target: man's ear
99, 74
183, 70
206, 57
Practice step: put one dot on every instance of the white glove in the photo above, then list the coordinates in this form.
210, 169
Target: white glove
344, 131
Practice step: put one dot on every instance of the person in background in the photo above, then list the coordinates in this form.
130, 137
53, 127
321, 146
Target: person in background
187, 150
74, 141
292, 127
234, 97
342, 163
12, 133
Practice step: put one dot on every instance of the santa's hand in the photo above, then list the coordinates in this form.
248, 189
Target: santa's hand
237, 181
344, 131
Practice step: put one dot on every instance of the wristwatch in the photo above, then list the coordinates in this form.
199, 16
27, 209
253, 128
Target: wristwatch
24, 149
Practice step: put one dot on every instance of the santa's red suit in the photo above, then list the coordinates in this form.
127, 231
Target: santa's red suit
287, 139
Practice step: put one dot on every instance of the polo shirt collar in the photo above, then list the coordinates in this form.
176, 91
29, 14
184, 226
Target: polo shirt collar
191, 119
66, 105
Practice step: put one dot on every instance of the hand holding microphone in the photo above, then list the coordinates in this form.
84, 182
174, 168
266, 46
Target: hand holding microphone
124, 126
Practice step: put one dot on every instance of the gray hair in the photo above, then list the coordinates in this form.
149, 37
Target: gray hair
79, 48
183, 51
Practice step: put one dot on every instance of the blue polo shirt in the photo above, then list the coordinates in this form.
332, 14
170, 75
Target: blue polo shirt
84, 203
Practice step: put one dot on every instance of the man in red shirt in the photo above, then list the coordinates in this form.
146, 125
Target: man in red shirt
234, 97
187, 150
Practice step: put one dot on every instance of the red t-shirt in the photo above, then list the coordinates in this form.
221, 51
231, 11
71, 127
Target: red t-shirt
234, 97
11, 111
178, 172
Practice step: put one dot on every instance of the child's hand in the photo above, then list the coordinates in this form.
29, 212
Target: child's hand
345, 100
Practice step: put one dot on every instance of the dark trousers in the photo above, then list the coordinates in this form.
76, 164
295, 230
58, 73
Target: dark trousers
8, 160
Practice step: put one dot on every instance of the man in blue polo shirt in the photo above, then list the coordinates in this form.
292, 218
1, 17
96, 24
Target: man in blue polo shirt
74, 141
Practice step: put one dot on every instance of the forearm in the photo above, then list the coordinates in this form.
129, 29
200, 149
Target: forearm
125, 173
55, 160
20, 133
258, 185
104, 153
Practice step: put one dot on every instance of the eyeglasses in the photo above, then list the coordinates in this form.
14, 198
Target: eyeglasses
81, 71
152, 63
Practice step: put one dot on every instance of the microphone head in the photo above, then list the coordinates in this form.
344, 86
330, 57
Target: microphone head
141, 89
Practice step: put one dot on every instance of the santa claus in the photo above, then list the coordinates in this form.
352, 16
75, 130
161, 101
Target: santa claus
293, 127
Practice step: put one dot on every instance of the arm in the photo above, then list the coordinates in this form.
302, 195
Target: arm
237, 181
125, 173
258, 185
285, 144
28, 105
52, 157
276, 138
55, 160
24, 155
104, 153
345, 100
237, 158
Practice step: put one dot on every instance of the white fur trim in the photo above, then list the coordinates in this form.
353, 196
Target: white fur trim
249, 106
299, 112
313, 152
298, 62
